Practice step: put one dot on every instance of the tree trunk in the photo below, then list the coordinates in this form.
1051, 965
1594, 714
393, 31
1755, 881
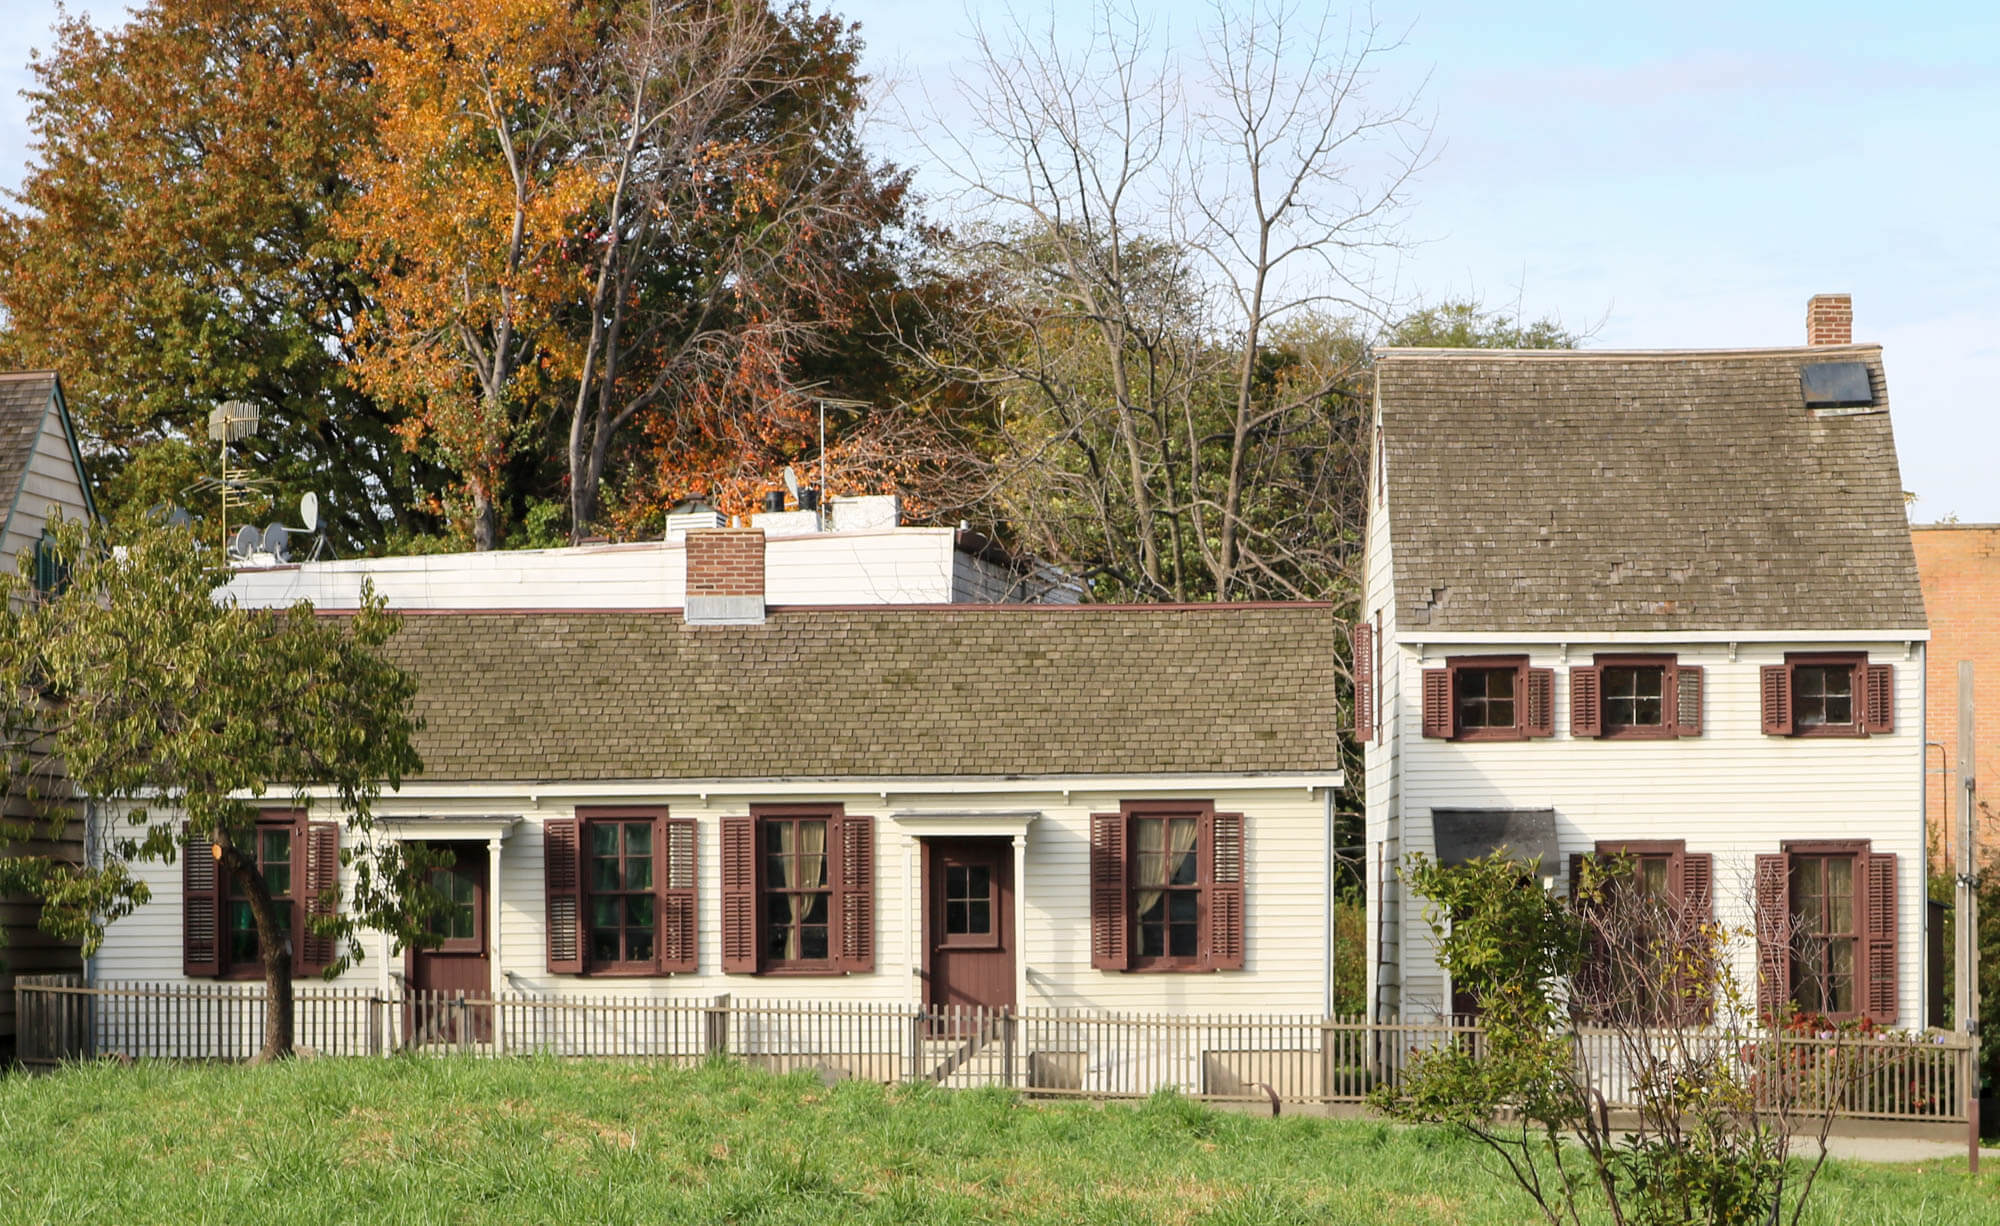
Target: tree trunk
485, 521
275, 942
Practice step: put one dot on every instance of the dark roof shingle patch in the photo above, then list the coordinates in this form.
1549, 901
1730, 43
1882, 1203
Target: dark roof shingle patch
1640, 491
884, 692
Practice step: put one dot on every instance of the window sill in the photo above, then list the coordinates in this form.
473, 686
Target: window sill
1637, 734
1187, 968
800, 972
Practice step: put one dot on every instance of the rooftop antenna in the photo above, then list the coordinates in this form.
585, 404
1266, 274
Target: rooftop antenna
825, 496
229, 422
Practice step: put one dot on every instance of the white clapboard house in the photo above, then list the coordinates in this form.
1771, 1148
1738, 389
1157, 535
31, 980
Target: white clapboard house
41, 477
1654, 603
913, 802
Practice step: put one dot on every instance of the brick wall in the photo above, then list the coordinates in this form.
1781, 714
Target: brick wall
725, 562
1959, 565
1830, 319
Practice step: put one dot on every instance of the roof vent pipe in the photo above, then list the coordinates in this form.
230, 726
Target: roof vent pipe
774, 501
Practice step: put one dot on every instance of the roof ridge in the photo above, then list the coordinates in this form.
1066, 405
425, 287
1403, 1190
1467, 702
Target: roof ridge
1626, 355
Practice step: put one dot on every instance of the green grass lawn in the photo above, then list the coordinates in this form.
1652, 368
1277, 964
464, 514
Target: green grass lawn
431, 1140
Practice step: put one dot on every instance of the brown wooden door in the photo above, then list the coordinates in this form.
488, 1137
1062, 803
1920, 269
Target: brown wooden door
969, 923
462, 965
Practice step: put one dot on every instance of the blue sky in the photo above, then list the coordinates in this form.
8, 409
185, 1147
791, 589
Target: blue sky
1681, 174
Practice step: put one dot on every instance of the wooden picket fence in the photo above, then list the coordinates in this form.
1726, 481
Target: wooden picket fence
1056, 1052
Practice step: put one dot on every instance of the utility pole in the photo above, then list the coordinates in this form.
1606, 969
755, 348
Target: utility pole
1965, 983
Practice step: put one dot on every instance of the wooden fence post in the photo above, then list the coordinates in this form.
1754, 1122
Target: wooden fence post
716, 1040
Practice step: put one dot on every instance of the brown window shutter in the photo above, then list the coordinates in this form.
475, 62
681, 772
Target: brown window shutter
1777, 696
739, 895
201, 908
1437, 702
562, 894
856, 894
322, 847
1586, 701
1698, 887
1538, 714
1774, 932
1225, 891
1108, 921
1575, 873
679, 906
1883, 978
1880, 706
1688, 684
1361, 642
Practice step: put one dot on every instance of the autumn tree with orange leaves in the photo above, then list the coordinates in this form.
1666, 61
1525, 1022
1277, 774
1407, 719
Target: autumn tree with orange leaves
470, 203
610, 232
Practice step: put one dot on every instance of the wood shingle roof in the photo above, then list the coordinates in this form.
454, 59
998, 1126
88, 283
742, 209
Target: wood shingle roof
1579, 490
882, 691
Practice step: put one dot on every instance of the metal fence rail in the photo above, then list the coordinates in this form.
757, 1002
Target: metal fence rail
1057, 1052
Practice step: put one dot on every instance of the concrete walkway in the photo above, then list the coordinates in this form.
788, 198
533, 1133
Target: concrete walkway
1893, 1149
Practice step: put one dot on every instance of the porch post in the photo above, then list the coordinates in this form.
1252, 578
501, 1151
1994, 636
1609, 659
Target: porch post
1021, 920
494, 975
913, 952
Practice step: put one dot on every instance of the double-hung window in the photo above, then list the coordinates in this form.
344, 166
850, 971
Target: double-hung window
298, 862
1827, 927
1166, 887
798, 891
1635, 697
620, 892
1815, 694
1488, 698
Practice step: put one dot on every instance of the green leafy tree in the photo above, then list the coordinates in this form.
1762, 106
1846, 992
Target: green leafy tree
176, 714
171, 247
1618, 986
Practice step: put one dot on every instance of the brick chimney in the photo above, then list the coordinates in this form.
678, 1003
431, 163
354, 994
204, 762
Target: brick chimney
725, 577
1830, 319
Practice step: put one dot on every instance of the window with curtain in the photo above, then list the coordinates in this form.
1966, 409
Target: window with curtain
1166, 891
1825, 933
798, 892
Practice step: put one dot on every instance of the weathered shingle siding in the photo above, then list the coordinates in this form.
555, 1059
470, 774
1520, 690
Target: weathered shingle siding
887, 691
1670, 491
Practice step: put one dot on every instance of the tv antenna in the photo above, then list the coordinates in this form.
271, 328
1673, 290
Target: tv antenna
230, 422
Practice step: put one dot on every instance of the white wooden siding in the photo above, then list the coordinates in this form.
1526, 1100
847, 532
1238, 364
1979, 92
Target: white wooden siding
1285, 888
1732, 792
1383, 795
895, 566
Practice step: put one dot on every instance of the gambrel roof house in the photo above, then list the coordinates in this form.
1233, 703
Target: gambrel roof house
939, 804
1658, 603
41, 473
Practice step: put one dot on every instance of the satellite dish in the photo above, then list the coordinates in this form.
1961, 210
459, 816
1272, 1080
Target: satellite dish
275, 542
246, 541
179, 518
309, 511
792, 484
